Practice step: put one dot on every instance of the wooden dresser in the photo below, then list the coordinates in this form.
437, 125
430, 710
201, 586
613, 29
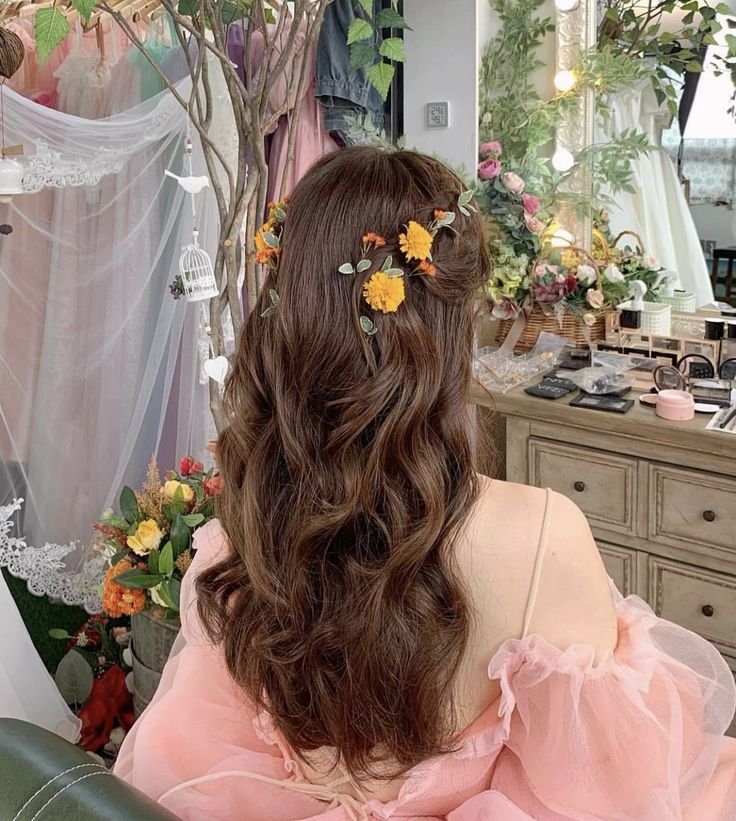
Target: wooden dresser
660, 498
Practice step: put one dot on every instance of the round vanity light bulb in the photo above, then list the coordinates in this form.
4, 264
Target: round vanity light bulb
563, 160
567, 5
565, 80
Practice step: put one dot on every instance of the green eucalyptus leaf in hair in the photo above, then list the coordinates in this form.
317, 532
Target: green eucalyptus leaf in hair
465, 197
275, 301
280, 214
346, 268
363, 265
448, 219
269, 311
368, 326
270, 239
394, 272
387, 263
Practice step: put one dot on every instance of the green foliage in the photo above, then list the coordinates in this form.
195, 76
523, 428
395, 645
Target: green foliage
634, 29
380, 75
381, 65
50, 29
84, 8
512, 111
129, 505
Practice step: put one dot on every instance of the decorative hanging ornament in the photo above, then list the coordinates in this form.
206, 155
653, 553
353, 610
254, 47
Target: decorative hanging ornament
12, 53
195, 266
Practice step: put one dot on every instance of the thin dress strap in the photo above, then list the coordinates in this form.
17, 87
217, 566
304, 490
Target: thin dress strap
538, 562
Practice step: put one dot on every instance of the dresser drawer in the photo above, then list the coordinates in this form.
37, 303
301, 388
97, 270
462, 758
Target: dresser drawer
701, 600
620, 564
697, 508
603, 485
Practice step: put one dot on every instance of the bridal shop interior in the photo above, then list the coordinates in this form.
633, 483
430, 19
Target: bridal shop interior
148, 151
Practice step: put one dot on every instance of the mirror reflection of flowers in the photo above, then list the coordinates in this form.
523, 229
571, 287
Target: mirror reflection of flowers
149, 543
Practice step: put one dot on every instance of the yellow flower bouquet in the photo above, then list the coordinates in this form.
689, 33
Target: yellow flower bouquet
150, 540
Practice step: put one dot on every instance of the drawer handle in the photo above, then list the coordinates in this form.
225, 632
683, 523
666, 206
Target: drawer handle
709, 516
579, 486
707, 610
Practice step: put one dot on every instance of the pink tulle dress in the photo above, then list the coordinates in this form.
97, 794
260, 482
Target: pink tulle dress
637, 736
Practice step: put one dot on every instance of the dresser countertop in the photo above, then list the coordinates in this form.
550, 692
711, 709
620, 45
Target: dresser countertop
640, 422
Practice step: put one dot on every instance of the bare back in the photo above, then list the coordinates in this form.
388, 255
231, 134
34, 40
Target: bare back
529, 565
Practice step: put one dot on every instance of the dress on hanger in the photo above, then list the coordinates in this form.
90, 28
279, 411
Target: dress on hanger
657, 209
636, 736
311, 141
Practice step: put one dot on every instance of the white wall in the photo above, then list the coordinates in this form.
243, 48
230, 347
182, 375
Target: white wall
715, 222
442, 64
442, 59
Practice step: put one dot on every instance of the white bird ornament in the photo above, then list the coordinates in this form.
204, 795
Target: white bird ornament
192, 185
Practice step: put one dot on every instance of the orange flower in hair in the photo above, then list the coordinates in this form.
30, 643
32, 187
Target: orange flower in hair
376, 239
439, 214
426, 267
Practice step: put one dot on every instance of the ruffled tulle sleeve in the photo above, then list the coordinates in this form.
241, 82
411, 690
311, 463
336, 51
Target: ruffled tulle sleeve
637, 736
200, 724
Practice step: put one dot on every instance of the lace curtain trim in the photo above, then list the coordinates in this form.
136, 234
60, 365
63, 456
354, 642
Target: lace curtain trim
43, 568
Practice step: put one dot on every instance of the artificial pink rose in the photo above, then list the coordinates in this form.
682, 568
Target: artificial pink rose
489, 169
492, 147
543, 269
595, 298
513, 182
533, 224
531, 204
652, 262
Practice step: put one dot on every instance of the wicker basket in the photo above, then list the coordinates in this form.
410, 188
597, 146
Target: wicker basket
572, 328
568, 324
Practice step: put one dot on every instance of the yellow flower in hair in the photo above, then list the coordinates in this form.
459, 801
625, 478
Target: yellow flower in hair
384, 293
261, 244
416, 243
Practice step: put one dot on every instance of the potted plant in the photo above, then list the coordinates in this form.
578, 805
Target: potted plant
151, 548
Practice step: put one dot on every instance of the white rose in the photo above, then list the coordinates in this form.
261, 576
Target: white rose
586, 274
613, 274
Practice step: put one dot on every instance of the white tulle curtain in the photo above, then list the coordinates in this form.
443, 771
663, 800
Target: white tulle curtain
98, 363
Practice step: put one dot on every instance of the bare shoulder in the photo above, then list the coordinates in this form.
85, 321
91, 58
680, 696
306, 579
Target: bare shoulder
574, 603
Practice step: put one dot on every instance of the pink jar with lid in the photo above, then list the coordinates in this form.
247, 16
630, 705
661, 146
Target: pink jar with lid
677, 406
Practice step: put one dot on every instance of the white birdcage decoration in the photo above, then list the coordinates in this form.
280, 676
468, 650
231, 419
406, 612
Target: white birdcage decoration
197, 273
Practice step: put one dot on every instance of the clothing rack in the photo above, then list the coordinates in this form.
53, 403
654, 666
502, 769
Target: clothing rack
144, 9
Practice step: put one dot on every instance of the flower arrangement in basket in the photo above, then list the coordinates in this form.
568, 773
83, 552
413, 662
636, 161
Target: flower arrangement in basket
563, 292
635, 264
150, 540
540, 281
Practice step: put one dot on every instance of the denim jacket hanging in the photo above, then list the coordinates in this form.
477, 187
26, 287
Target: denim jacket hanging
342, 91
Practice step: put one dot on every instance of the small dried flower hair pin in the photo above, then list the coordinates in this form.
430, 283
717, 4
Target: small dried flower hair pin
384, 291
268, 246
268, 238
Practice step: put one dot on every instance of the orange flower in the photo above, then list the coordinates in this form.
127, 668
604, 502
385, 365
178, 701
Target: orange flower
439, 214
376, 239
118, 600
426, 267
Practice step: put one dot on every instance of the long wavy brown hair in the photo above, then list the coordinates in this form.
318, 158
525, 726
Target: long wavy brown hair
348, 472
